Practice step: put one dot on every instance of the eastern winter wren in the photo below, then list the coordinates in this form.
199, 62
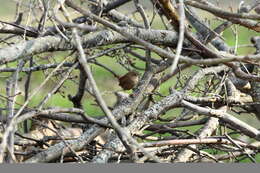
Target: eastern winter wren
129, 80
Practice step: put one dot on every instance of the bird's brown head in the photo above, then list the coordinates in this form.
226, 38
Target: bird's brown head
133, 74
129, 80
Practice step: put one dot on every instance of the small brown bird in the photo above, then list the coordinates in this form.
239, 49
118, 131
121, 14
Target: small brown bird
129, 80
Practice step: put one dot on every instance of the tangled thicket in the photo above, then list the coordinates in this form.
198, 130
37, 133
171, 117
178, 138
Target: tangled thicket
60, 99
